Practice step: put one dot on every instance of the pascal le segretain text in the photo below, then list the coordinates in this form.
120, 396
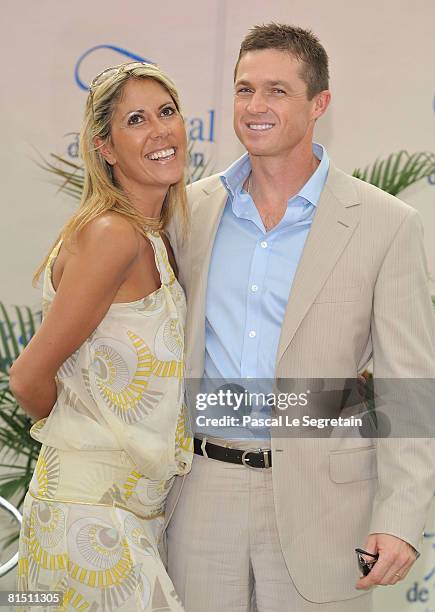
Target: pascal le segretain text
277, 421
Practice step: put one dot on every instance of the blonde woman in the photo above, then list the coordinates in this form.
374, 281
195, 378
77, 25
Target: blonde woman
104, 371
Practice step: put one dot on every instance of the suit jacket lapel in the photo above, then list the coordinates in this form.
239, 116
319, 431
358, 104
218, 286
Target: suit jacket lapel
206, 215
335, 220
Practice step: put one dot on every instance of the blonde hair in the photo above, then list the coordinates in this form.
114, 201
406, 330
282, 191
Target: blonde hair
100, 192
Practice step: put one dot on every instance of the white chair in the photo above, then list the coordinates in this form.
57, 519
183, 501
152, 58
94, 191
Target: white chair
11, 563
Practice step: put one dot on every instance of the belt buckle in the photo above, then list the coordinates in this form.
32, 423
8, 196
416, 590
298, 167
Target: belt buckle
245, 461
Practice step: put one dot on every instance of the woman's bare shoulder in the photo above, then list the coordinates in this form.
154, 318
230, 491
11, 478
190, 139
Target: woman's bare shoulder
110, 227
108, 235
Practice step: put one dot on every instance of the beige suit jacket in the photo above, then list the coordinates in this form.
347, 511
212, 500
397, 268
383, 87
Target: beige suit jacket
360, 290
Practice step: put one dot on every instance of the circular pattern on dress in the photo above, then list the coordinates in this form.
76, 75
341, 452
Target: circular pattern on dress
48, 523
68, 367
169, 341
173, 338
120, 374
152, 492
136, 535
45, 478
114, 364
99, 554
97, 544
151, 305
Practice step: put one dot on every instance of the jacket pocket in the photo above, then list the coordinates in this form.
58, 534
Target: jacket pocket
353, 465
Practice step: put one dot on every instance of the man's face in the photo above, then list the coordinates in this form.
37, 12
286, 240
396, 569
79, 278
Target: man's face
272, 114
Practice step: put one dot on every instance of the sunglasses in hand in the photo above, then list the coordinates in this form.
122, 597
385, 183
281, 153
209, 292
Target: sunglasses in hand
365, 566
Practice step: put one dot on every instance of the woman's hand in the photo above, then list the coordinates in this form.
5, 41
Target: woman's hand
92, 275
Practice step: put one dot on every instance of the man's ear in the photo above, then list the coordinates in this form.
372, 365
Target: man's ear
105, 149
322, 100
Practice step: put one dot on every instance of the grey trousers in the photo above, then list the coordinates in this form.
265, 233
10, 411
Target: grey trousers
224, 553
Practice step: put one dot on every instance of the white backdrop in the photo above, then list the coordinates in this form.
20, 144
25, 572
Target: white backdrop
381, 55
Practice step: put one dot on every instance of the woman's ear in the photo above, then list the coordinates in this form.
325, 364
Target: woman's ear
105, 149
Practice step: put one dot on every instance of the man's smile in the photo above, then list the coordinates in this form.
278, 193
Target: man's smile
259, 127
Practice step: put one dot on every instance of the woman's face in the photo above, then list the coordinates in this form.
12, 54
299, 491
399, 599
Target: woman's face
148, 144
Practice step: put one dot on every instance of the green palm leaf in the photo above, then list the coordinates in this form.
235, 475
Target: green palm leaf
68, 175
18, 451
398, 171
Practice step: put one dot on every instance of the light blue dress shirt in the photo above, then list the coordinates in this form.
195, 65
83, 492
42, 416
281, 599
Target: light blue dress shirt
251, 275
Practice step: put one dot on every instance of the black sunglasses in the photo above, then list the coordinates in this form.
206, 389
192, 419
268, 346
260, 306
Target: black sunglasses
365, 566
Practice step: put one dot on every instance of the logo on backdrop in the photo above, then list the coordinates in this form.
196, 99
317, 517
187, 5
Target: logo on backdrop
420, 591
200, 128
124, 53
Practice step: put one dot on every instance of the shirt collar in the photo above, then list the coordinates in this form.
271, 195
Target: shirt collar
313, 188
236, 174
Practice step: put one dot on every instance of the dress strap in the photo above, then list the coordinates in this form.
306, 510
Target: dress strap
48, 289
166, 272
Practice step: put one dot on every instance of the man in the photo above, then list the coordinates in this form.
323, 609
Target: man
294, 271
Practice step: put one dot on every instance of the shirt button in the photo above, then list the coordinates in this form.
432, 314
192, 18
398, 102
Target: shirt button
252, 334
254, 288
263, 244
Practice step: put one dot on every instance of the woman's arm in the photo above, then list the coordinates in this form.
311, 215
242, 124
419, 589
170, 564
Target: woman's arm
92, 275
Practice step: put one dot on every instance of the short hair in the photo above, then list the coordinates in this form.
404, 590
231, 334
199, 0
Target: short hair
299, 43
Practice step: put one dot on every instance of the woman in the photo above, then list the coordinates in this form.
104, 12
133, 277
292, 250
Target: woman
106, 365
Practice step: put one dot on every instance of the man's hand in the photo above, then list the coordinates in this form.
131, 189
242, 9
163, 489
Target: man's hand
395, 560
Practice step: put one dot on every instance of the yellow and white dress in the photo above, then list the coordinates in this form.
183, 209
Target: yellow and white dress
111, 447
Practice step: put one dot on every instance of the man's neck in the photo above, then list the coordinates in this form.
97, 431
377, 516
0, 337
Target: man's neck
281, 178
274, 180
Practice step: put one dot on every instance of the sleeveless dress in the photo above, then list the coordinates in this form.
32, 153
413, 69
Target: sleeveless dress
111, 447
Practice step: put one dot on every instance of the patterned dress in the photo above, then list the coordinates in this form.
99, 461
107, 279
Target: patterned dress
111, 446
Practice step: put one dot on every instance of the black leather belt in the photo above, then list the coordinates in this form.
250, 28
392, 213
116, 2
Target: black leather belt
252, 457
